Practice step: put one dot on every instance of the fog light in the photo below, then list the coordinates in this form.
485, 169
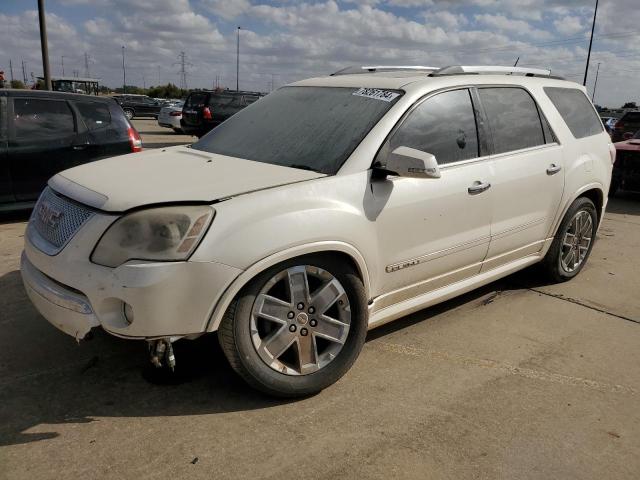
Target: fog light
128, 313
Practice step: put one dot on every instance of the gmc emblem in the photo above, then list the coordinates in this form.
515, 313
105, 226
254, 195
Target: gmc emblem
48, 214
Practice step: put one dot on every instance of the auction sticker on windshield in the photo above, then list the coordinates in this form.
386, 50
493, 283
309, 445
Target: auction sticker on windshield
384, 95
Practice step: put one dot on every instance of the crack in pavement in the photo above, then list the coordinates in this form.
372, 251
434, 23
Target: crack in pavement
578, 302
504, 367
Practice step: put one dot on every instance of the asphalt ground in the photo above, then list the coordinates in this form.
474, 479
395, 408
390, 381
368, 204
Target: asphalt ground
520, 379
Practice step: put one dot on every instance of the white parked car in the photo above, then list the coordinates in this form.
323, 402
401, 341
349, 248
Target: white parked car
329, 207
170, 116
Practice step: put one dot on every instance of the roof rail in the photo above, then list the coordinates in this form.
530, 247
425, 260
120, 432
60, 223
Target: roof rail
487, 69
384, 68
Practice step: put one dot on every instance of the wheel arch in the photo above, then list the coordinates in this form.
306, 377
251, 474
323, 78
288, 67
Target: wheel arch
347, 251
592, 191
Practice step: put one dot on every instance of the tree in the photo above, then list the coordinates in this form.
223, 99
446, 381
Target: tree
17, 84
630, 105
166, 91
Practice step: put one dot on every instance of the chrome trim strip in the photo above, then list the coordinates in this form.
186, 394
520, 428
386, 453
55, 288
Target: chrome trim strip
423, 287
438, 254
505, 258
52, 291
518, 228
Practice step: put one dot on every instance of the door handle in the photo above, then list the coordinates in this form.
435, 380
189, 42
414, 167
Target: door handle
80, 147
553, 169
478, 187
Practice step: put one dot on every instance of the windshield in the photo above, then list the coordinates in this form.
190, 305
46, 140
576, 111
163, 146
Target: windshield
637, 135
313, 128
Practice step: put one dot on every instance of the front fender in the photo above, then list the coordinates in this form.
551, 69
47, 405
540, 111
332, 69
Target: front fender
243, 279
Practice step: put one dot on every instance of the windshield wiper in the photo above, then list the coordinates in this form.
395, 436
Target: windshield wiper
303, 167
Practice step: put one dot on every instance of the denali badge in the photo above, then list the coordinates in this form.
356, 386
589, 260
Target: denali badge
48, 214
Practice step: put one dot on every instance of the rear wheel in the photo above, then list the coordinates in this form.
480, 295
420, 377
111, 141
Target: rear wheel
297, 327
573, 241
128, 113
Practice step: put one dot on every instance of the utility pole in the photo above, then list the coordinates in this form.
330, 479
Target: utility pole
238, 62
11, 70
86, 65
593, 27
62, 57
124, 74
158, 74
44, 46
595, 84
144, 82
24, 74
183, 70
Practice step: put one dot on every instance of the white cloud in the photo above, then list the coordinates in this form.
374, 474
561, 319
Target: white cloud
515, 27
569, 25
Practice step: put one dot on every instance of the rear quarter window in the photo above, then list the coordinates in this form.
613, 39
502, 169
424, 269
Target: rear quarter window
576, 110
95, 114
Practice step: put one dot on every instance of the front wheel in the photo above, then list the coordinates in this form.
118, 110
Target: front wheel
573, 241
296, 328
128, 113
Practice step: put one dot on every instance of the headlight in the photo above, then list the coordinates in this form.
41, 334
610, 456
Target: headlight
167, 233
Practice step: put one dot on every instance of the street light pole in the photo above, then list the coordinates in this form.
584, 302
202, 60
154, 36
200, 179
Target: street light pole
238, 62
595, 84
124, 74
593, 27
44, 46
62, 59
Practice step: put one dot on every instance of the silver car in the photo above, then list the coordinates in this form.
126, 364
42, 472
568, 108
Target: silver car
170, 116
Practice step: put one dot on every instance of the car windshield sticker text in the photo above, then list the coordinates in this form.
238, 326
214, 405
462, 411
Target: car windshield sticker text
384, 95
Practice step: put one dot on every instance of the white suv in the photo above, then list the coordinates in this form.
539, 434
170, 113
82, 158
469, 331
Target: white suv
327, 208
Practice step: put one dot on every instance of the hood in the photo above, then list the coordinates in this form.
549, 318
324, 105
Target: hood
176, 174
633, 144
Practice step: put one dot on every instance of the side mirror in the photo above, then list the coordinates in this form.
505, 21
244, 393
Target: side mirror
627, 135
409, 162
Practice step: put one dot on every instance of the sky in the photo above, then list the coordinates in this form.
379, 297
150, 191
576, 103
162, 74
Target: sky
282, 41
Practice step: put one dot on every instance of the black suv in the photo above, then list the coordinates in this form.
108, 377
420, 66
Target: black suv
139, 106
42, 133
206, 109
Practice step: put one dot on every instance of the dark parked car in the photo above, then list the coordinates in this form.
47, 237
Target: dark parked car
628, 123
42, 133
139, 105
626, 170
204, 110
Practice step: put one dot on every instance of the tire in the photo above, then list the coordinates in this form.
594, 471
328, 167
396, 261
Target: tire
559, 254
129, 113
177, 131
287, 375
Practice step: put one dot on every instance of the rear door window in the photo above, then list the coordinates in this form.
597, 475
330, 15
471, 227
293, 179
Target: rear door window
576, 110
513, 118
96, 115
443, 125
42, 118
224, 100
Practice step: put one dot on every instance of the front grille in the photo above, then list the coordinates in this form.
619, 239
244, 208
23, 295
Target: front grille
56, 219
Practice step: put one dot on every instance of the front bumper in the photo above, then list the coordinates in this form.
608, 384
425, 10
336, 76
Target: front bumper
164, 299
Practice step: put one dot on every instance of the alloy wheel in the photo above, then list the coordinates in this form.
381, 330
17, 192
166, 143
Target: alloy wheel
576, 242
300, 320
